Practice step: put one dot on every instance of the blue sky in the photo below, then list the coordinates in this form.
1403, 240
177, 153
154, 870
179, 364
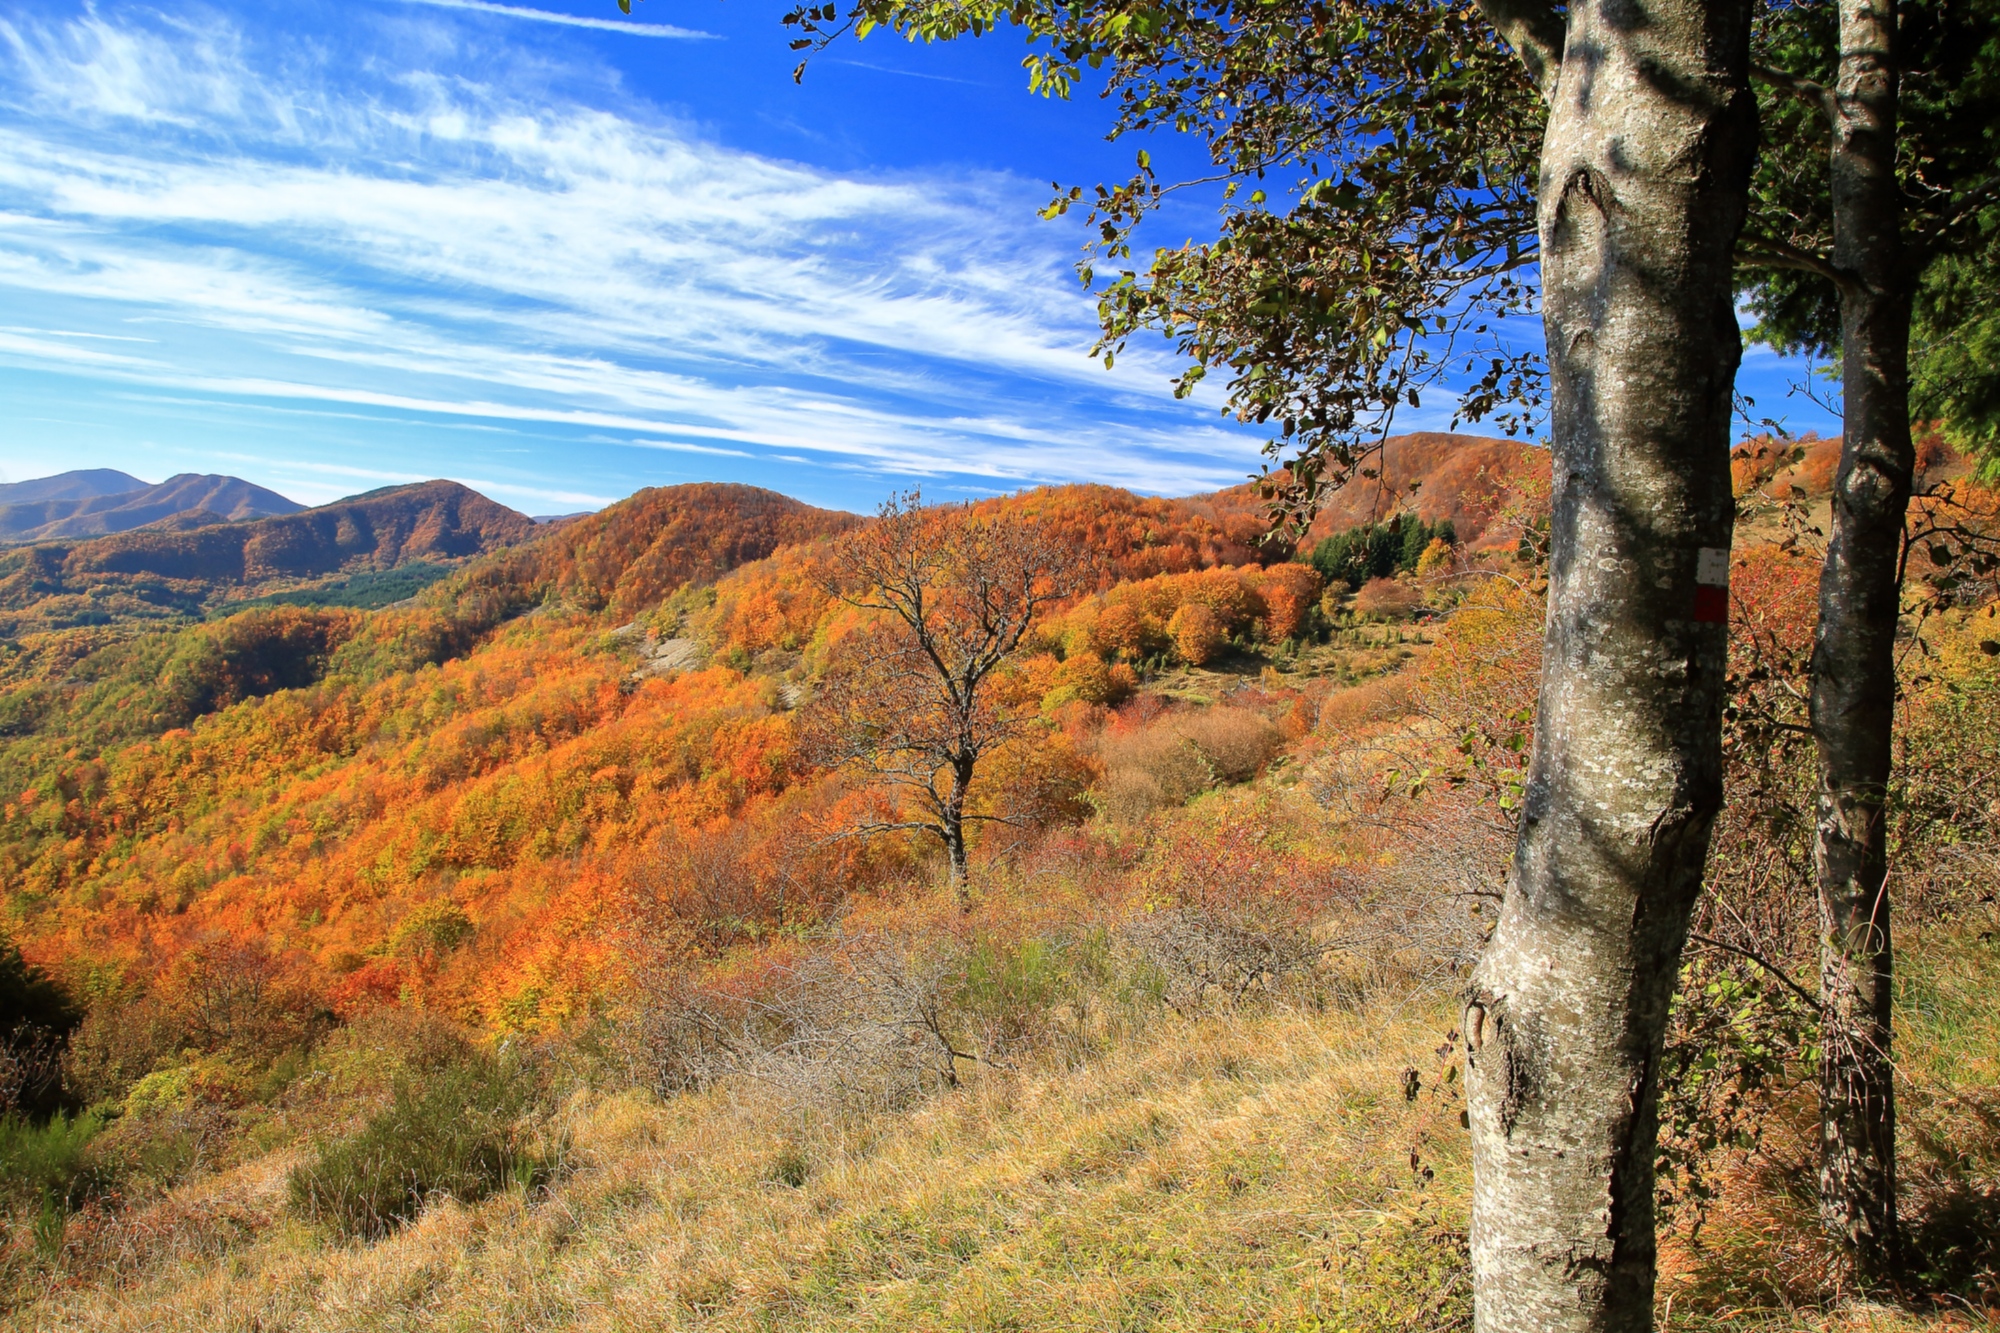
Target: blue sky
559, 255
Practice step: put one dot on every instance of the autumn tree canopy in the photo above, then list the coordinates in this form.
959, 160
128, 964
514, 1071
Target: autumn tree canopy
910, 700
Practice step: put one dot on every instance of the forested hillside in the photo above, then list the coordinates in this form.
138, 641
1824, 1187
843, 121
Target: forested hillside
581, 890
1465, 480
193, 563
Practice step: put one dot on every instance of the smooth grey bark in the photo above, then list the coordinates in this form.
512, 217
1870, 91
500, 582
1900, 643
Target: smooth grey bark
1853, 666
1644, 181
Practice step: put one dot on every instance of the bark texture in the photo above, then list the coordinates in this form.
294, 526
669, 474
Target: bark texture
1644, 179
1853, 669
954, 833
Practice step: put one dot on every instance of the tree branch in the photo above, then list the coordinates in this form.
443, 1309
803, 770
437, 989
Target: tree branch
1969, 203
1816, 95
1757, 958
1765, 252
1536, 32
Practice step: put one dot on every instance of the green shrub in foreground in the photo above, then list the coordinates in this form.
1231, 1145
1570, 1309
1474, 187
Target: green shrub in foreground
44, 1160
456, 1132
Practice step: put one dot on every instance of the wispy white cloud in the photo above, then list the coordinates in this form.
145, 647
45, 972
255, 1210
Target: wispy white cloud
568, 20
387, 477
430, 243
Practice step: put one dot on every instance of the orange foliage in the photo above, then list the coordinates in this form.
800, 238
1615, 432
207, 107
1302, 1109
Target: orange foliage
1469, 479
438, 805
1192, 615
635, 553
1196, 631
1290, 592
1135, 537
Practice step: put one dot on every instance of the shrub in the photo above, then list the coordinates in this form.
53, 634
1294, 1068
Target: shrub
1175, 758
1151, 769
36, 1018
458, 1133
122, 1039
1231, 907
31, 1070
1089, 678
1387, 599
46, 1161
1235, 741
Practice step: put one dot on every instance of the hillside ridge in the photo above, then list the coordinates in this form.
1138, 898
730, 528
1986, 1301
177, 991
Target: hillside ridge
184, 564
78, 484
1436, 475
54, 518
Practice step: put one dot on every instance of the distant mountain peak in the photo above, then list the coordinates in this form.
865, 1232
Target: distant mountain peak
79, 512
83, 484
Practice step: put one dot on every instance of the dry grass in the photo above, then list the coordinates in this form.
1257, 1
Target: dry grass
1257, 1169
1244, 1171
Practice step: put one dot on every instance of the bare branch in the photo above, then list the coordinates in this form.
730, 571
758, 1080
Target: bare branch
1753, 956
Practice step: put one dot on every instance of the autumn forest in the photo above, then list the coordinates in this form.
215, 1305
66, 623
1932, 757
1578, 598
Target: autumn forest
1523, 861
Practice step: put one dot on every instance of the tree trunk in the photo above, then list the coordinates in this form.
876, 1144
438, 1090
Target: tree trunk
954, 834
1644, 180
1853, 667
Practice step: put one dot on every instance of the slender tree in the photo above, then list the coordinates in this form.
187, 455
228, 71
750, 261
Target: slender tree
909, 698
1856, 201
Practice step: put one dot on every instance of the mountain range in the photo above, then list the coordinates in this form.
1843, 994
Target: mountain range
194, 561
100, 501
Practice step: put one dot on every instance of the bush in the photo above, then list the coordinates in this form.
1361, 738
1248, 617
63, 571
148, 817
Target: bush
36, 1018
1198, 633
1387, 599
1235, 741
122, 1039
458, 1133
1170, 761
46, 1161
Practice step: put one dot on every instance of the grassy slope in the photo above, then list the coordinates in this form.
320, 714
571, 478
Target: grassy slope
1249, 1171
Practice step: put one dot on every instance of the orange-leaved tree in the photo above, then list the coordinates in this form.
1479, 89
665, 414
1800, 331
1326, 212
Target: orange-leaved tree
908, 695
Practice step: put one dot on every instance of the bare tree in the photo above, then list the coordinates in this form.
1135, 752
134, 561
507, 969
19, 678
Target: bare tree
909, 699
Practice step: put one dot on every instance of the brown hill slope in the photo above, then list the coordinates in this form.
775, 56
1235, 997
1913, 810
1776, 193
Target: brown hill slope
1465, 478
167, 570
54, 519
637, 552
